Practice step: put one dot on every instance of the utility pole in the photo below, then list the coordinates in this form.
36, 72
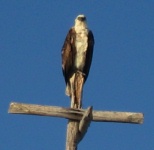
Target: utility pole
79, 119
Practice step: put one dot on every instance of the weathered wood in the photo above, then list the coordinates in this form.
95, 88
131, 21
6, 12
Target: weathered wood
85, 123
72, 135
75, 114
76, 130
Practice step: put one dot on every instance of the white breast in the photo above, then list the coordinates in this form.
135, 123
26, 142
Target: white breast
81, 48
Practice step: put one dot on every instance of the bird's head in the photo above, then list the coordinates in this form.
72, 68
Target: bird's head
81, 21
81, 18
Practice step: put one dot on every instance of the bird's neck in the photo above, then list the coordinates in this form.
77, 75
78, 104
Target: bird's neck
80, 26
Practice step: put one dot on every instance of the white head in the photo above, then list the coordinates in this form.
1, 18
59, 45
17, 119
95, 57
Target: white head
81, 22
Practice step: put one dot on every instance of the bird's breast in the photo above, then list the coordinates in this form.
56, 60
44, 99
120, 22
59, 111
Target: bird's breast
81, 44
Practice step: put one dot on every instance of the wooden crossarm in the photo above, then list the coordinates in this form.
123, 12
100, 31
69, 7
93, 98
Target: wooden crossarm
75, 114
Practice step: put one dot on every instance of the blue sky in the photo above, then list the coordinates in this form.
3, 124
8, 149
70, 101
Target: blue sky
121, 76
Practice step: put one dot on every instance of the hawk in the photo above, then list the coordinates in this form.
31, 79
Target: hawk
77, 53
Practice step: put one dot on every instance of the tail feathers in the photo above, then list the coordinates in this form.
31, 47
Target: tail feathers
74, 89
79, 81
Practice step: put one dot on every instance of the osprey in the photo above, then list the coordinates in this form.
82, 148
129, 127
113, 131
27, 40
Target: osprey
77, 55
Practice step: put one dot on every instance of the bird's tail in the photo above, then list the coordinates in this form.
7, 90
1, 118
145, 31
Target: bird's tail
74, 89
78, 86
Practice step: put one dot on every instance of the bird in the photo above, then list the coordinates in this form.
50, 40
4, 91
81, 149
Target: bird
77, 53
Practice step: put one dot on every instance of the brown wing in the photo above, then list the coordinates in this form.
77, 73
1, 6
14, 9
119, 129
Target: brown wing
89, 54
67, 55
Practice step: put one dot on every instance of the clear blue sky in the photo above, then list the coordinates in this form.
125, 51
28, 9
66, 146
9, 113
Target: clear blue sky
121, 77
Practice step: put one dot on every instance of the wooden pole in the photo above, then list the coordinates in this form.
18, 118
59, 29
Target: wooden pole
79, 119
77, 129
72, 135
